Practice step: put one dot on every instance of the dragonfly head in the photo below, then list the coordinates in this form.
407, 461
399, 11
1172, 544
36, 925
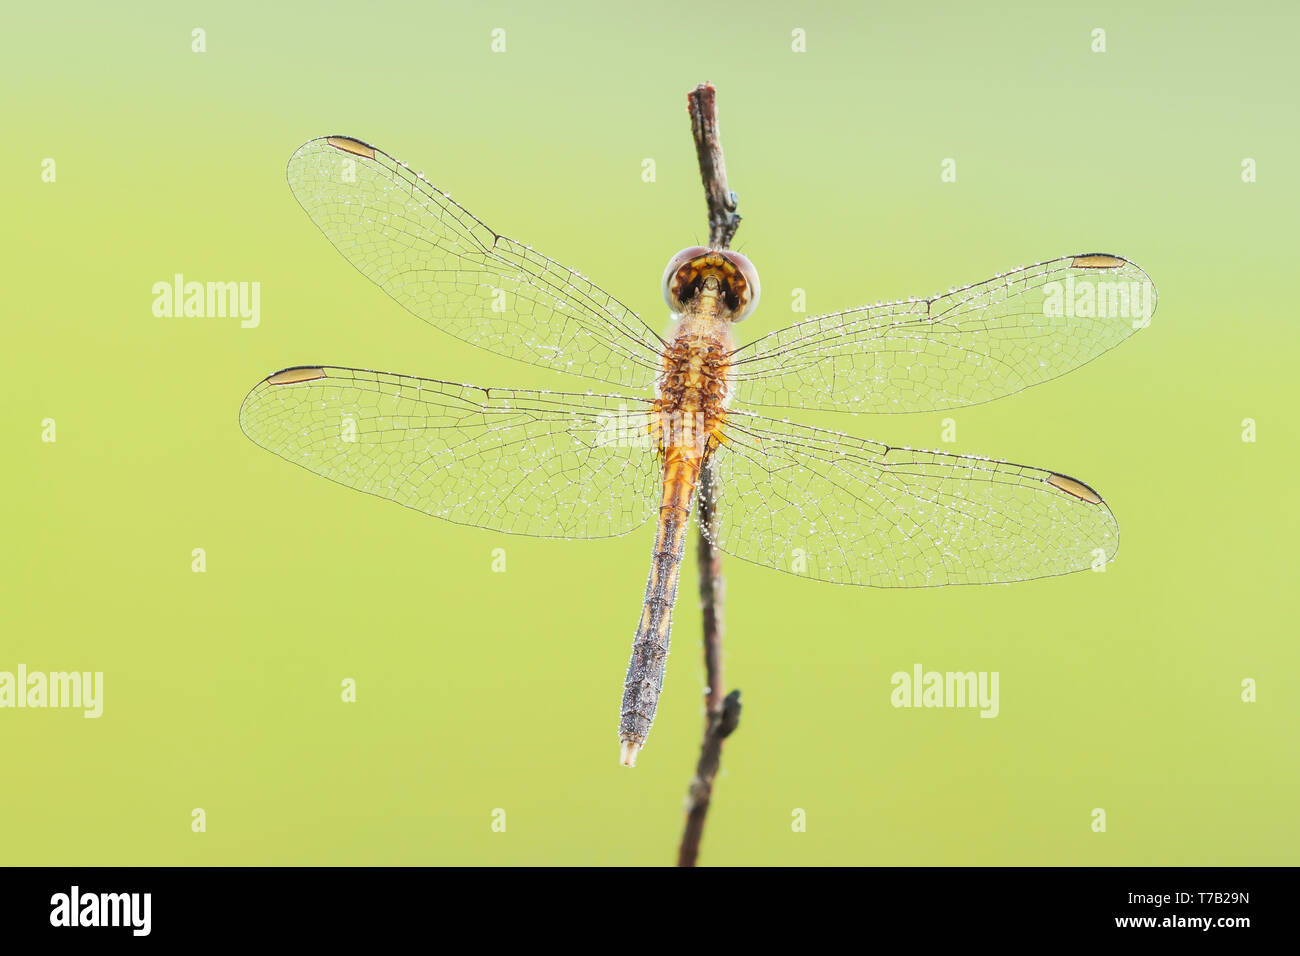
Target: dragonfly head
693, 270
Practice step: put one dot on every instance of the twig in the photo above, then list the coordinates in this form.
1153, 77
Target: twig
721, 714
723, 218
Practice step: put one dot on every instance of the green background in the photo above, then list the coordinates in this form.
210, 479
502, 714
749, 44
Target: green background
479, 690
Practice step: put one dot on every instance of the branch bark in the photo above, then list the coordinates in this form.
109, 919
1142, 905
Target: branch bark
724, 220
721, 713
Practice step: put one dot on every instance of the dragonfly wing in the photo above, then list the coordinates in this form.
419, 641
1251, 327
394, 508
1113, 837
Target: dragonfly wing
525, 462
452, 271
969, 346
831, 507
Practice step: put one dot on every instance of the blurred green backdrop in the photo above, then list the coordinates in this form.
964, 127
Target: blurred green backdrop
479, 691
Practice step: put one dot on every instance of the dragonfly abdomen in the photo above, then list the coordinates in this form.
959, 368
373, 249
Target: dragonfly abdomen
645, 671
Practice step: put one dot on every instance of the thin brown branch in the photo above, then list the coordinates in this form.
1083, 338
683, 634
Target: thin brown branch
723, 218
721, 714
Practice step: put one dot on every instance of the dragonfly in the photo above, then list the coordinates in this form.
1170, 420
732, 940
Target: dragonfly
811, 501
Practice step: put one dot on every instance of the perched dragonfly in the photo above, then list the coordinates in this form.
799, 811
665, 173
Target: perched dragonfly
577, 464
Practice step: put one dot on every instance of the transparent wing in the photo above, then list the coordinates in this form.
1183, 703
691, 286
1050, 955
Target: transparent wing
969, 346
835, 508
454, 272
524, 462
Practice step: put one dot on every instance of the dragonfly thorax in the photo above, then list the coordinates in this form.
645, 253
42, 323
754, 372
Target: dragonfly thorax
693, 389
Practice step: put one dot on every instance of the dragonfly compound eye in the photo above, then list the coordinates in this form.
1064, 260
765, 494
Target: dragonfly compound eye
736, 276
